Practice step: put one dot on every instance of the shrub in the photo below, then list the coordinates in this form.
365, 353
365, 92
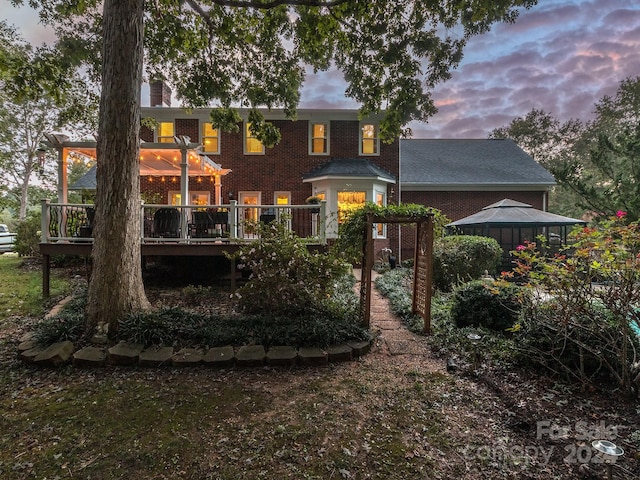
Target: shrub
460, 258
285, 277
582, 324
493, 305
28, 235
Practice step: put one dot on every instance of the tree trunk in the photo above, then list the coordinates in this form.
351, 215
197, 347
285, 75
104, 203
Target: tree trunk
24, 190
116, 287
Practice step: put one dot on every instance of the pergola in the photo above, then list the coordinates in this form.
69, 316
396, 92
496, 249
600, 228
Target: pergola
181, 159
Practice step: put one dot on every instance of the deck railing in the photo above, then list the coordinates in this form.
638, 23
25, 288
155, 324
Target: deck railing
232, 222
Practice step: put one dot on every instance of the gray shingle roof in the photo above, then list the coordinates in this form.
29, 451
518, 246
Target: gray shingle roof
87, 181
350, 167
510, 212
441, 162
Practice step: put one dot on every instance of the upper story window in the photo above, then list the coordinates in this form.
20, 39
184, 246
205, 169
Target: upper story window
165, 132
369, 141
210, 138
319, 141
252, 146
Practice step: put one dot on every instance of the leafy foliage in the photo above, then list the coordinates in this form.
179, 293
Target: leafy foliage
593, 162
583, 326
39, 94
494, 305
613, 181
351, 232
285, 277
460, 258
28, 235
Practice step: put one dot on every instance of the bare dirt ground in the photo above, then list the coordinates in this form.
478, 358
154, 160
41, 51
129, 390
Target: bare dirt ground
396, 413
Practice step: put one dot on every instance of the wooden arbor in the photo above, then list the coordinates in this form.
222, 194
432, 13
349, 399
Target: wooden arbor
422, 266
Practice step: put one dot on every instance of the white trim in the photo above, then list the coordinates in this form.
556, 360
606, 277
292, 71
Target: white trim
245, 137
327, 124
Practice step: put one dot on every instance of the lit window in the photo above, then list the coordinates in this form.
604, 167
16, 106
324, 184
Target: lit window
369, 144
165, 132
348, 202
210, 139
252, 145
319, 144
380, 227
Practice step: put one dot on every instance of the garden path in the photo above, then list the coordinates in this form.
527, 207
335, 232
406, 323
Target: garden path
401, 346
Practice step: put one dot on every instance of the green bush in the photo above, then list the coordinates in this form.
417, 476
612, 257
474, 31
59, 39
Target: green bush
584, 322
28, 235
494, 305
285, 277
460, 258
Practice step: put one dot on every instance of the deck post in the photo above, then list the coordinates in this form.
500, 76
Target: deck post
233, 219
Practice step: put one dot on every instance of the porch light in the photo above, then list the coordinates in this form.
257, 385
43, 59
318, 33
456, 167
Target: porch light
40, 155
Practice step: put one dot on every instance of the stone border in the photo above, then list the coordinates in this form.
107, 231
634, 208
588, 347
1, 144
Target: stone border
127, 354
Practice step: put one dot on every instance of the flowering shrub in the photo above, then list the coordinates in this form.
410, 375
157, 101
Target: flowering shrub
583, 318
285, 277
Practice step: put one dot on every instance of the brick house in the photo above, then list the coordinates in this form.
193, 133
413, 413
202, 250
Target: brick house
333, 155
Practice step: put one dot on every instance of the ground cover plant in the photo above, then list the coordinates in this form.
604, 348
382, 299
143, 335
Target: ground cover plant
292, 297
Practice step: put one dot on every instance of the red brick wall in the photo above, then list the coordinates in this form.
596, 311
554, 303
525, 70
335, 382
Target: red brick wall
457, 205
281, 167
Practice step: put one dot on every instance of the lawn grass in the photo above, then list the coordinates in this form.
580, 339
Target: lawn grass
21, 288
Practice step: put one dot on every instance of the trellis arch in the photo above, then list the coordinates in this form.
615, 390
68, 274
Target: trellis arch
422, 265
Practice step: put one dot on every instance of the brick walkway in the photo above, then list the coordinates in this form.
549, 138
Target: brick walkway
395, 340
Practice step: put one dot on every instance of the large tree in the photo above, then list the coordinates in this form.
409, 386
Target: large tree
604, 171
253, 53
37, 96
550, 143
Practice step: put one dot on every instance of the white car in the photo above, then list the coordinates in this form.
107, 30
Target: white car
6, 239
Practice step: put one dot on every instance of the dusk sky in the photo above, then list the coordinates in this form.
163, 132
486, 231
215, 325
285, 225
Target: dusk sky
561, 56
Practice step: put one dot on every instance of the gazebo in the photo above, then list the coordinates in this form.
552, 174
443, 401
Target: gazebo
513, 223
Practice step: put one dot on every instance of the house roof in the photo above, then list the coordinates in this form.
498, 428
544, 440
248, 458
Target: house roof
511, 213
349, 167
430, 164
86, 182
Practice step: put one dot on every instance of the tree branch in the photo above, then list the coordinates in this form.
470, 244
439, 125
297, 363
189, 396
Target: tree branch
274, 3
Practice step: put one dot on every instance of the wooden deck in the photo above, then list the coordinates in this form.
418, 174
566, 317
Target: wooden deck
67, 230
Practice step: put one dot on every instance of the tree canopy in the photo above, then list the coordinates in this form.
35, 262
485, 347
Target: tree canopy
596, 163
254, 53
37, 96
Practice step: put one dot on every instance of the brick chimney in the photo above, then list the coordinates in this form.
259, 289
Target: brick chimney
159, 93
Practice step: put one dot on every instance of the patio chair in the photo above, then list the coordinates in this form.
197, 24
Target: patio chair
202, 224
166, 223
